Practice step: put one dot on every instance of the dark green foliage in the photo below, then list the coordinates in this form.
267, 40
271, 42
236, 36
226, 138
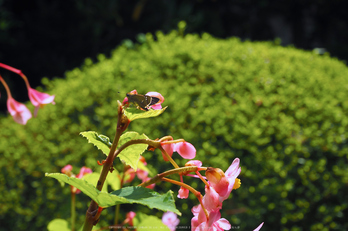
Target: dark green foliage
282, 111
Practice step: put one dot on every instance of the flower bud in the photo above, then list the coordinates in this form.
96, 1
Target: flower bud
214, 175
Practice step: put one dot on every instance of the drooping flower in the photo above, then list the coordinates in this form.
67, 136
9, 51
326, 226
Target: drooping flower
211, 200
171, 220
18, 111
183, 193
39, 99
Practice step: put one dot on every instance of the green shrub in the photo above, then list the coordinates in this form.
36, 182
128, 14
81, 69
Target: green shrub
282, 111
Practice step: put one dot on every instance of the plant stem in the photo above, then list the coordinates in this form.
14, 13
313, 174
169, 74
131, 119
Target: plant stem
122, 124
117, 212
194, 191
159, 177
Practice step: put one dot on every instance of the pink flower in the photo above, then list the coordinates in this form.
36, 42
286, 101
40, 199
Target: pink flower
215, 223
18, 111
185, 149
129, 218
171, 220
211, 200
129, 175
142, 174
39, 99
258, 227
67, 169
156, 95
183, 193
217, 180
83, 171
223, 183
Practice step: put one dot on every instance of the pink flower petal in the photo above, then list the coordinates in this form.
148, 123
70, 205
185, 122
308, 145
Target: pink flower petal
171, 220
38, 98
142, 174
196, 163
129, 175
18, 111
67, 169
186, 150
156, 106
223, 224
234, 168
83, 171
169, 148
259, 227
183, 193
211, 199
129, 218
157, 95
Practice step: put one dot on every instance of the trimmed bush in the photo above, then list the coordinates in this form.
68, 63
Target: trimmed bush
282, 111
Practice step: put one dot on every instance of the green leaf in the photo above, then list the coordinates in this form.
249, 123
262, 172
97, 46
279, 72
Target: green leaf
134, 113
93, 178
100, 141
143, 222
127, 195
131, 154
58, 225
148, 197
113, 179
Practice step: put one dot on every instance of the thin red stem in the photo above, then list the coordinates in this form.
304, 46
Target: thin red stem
6, 87
194, 191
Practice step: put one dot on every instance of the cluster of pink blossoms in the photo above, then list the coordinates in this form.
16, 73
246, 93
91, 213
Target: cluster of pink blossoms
142, 174
207, 216
20, 113
170, 219
67, 170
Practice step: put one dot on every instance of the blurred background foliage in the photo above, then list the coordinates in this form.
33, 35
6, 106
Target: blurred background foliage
281, 110
47, 38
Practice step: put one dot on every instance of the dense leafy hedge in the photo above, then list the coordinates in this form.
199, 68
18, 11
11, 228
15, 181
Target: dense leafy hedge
282, 111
